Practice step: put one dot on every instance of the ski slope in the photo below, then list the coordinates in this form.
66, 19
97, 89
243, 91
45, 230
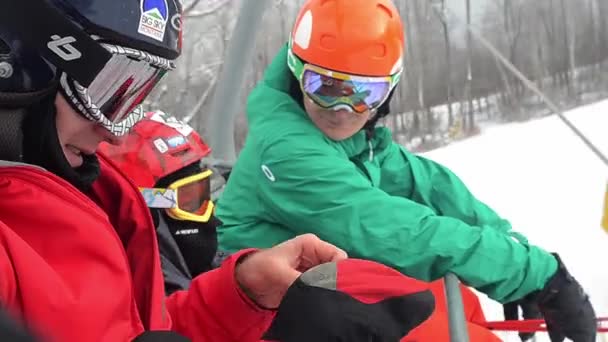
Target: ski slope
549, 184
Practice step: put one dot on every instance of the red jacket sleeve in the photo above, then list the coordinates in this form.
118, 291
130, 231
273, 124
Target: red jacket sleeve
8, 282
215, 309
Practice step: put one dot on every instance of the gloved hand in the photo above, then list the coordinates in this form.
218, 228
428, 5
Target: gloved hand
350, 300
529, 310
566, 308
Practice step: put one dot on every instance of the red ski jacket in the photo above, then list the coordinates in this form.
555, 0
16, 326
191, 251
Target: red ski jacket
86, 268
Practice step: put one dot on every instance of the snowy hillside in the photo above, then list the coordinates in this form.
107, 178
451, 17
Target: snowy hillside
542, 178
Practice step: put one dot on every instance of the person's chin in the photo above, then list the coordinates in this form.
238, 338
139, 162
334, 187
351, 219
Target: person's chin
337, 136
75, 160
335, 132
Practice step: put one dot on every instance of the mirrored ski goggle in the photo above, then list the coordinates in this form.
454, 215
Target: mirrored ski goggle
331, 89
188, 199
113, 98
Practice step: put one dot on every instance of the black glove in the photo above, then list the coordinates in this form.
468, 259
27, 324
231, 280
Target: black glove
566, 308
309, 313
529, 310
11, 331
160, 336
351, 301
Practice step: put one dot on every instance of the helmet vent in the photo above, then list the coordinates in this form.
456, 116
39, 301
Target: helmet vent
180, 152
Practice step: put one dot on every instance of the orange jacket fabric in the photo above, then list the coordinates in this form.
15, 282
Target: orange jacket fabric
436, 328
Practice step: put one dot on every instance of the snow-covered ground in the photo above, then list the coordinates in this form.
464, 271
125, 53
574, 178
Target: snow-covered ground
542, 178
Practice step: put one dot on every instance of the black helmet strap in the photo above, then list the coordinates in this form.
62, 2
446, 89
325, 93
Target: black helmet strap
13, 110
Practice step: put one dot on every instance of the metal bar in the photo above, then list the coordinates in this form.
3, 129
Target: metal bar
225, 102
535, 89
456, 319
542, 95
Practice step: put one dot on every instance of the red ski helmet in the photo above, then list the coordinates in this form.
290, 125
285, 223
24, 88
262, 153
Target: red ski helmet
157, 146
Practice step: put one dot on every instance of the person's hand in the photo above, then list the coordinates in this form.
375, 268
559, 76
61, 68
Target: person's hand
529, 310
266, 275
566, 308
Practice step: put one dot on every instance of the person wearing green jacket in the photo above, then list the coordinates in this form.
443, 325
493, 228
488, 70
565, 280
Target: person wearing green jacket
314, 161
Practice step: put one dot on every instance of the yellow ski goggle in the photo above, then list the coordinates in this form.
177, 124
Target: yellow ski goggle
187, 199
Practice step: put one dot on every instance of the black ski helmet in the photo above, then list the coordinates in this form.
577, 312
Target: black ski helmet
40, 37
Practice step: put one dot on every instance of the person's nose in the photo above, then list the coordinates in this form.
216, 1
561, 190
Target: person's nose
108, 137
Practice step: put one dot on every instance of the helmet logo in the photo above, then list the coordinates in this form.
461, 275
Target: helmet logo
161, 146
6, 70
153, 18
176, 22
176, 141
303, 32
63, 47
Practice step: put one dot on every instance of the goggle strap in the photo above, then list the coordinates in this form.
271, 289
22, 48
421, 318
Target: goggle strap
68, 89
159, 198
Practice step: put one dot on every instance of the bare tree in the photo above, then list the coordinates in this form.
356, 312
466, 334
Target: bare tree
417, 19
469, 122
568, 53
441, 11
555, 43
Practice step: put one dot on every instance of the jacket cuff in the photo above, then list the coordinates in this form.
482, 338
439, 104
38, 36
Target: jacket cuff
248, 319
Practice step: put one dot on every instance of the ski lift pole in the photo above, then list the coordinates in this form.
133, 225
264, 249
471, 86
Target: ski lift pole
456, 319
225, 102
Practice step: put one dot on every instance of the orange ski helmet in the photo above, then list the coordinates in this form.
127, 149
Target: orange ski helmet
360, 37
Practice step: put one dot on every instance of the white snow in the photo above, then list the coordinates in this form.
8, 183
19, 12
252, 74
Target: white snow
541, 177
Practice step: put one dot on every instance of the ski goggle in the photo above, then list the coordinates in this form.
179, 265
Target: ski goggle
113, 98
335, 90
187, 199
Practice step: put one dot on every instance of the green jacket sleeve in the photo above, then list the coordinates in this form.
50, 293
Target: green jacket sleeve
433, 185
310, 188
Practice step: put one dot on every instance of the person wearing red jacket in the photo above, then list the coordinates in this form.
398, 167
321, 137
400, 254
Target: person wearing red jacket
78, 254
